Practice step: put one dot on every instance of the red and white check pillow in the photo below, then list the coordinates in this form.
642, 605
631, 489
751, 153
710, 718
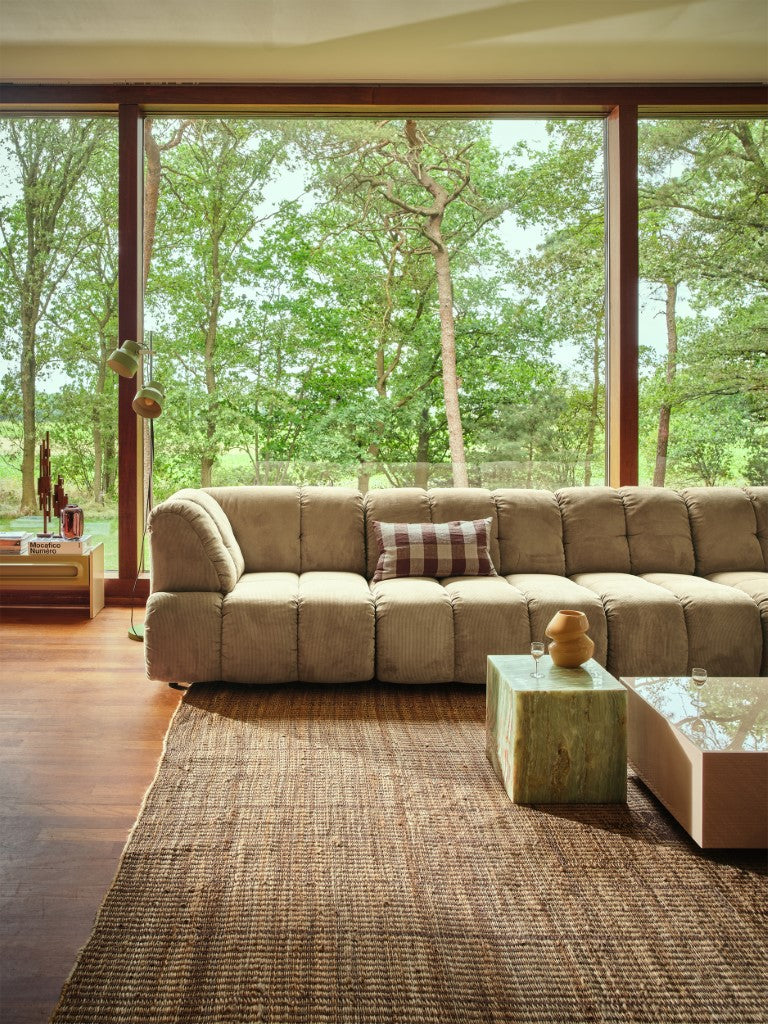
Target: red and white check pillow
460, 548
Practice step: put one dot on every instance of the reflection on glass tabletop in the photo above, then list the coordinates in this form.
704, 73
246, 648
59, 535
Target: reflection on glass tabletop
726, 713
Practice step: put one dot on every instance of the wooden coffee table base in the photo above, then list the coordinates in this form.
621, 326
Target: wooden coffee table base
720, 796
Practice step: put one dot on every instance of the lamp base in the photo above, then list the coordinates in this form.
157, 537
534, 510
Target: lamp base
136, 632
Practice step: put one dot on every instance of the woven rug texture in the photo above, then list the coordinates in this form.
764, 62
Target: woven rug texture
346, 854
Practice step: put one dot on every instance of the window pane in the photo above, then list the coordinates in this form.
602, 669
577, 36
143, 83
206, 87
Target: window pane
371, 303
58, 317
704, 315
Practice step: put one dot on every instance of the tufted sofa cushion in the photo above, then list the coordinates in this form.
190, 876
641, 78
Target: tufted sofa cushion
414, 631
724, 530
530, 532
658, 532
759, 498
193, 547
182, 636
266, 522
715, 616
594, 530
332, 530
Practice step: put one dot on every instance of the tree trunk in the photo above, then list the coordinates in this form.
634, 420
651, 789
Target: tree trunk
109, 463
665, 411
206, 471
29, 450
151, 194
98, 440
98, 462
208, 460
421, 470
256, 452
594, 406
152, 172
450, 376
433, 231
662, 445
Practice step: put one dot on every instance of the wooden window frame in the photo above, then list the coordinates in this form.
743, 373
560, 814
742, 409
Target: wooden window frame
620, 104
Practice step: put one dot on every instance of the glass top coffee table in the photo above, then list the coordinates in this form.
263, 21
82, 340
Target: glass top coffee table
703, 752
560, 739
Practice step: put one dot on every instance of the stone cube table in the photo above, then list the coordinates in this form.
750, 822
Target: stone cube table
561, 739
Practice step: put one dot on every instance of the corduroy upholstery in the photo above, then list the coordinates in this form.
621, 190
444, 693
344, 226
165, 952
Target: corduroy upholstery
658, 533
272, 584
414, 631
724, 530
755, 586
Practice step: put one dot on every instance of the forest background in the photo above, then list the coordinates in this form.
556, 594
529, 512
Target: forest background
377, 303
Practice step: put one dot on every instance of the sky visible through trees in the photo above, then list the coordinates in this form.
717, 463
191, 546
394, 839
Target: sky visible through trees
382, 302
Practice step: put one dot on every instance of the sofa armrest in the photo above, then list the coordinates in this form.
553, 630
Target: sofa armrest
193, 547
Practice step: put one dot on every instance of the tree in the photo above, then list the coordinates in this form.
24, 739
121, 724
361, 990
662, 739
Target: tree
560, 189
704, 225
43, 234
81, 328
397, 163
209, 210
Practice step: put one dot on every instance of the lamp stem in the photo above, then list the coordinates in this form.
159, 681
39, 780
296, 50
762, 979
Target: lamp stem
136, 630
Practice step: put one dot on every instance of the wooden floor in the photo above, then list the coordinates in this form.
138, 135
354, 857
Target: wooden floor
81, 732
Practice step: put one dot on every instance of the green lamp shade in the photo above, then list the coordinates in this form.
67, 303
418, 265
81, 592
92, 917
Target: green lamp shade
125, 360
149, 400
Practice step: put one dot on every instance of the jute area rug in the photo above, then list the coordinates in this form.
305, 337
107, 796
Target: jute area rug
346, 854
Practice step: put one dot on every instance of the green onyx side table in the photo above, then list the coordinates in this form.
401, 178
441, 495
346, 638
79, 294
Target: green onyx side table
561, 739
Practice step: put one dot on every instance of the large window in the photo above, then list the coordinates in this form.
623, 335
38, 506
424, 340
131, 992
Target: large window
372, 303
704, 308
379, 301
58, 316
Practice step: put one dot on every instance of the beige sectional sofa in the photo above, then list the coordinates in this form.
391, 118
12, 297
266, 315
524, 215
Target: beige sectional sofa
271, 584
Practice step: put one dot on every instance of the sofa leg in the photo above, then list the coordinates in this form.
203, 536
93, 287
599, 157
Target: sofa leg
181, 686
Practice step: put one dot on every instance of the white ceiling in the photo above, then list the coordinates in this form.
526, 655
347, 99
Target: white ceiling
384, 40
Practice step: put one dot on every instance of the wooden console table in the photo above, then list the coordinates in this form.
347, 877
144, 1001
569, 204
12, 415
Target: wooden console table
54, 581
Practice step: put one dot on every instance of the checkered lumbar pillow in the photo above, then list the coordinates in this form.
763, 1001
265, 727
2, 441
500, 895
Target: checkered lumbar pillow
433, 549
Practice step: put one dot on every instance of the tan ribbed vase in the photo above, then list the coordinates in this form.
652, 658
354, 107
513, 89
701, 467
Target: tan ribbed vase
569, 644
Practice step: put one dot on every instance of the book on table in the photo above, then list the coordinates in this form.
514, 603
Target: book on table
15, 543
59, 546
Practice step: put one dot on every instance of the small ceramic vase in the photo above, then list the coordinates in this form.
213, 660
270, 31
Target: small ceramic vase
569, 644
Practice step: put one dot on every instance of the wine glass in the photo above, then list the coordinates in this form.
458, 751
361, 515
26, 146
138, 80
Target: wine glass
699, 677
537, 651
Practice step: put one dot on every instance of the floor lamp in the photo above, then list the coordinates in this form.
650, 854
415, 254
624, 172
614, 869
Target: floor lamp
147, 404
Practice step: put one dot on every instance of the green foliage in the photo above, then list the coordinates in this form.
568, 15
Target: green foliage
704, 232
294, 308
58, 274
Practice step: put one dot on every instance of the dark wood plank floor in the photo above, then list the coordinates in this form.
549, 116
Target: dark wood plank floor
81, 732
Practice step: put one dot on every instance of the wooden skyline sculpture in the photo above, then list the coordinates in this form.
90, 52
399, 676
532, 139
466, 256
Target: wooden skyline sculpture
60, 499
44, 483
